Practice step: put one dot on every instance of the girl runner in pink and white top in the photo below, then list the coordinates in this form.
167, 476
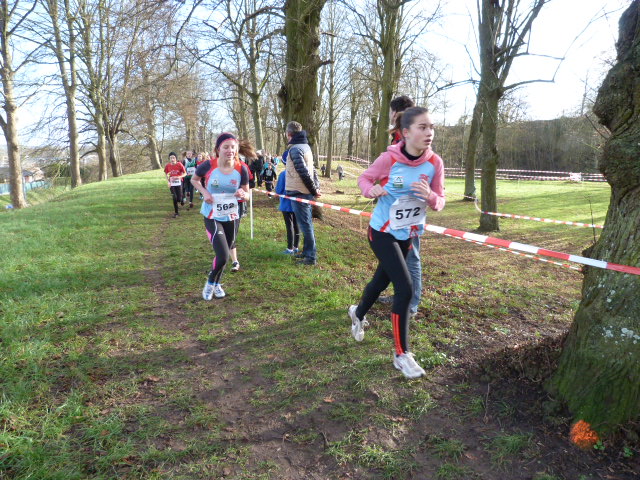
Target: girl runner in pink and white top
226, 182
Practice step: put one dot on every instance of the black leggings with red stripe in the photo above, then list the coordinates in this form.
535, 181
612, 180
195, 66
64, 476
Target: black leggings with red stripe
392, 267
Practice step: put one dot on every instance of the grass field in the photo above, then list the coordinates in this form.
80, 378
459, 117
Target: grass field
112, 365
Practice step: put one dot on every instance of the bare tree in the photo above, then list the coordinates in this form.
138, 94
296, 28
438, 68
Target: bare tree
63, 46
503, 32
392, 26
13, 17
91, 27
240, 51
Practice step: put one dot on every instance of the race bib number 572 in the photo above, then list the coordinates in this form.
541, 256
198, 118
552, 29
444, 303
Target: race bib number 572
406, 212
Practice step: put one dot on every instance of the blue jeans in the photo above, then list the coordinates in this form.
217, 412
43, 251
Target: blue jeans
302, 212
414, 265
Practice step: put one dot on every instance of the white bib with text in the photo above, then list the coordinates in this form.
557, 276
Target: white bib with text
225, 204
406, 212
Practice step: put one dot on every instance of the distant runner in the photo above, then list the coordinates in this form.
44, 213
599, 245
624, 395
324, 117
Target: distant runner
175, 172
190, 164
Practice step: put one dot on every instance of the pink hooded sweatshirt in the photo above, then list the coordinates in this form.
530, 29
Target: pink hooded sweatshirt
379, 172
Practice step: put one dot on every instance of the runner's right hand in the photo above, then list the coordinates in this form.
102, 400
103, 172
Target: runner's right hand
377, 191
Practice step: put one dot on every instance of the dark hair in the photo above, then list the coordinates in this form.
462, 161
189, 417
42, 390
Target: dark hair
293, 127
222, 138
401, 103
407, 118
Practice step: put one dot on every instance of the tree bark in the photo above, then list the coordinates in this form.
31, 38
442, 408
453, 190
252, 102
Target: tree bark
299, 94
10, 130
255, 92
69, 82
101, 147
390, 44
472, 147
489, 223
598, 374
9, 124
352, 120
114, 154
152, 134
332, 101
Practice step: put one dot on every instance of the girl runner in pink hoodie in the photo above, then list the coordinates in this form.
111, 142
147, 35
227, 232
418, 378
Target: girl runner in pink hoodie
406, 179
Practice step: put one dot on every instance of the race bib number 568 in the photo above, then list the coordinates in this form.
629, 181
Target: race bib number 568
406, 212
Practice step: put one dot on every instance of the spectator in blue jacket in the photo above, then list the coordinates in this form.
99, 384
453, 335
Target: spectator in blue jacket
293, 233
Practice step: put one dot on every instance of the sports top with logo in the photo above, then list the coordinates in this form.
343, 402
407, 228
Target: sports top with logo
401, 213
190, 165
223, 188
174, 169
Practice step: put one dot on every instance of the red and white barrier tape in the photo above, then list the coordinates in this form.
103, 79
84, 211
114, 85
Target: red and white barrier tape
498, 242
544, 220
533, 257
524, 217
499, 170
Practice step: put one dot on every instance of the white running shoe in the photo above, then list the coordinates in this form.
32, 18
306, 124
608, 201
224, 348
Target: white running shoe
408, 365
357, 325
207, 291
235, 266
218, 291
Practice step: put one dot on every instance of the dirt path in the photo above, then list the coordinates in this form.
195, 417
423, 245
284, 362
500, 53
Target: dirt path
293, 445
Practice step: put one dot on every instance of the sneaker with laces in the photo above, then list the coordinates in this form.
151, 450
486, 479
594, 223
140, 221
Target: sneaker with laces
207, 291
357, 325
286, 251
235, 266
218, 292
408, 365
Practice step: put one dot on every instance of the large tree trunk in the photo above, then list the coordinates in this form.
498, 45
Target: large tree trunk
489, 223
69, 81
472, 147
257, 121
254, 95
101, 148
352, 121
10, 130
74, 149
114, 155
152, 135
390, 45
299, 94
598, 374
331, 120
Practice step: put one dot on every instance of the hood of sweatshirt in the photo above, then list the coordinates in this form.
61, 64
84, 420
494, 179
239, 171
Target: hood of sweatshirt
395, 151
298, 138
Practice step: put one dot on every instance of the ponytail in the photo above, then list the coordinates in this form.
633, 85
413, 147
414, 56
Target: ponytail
246, 149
